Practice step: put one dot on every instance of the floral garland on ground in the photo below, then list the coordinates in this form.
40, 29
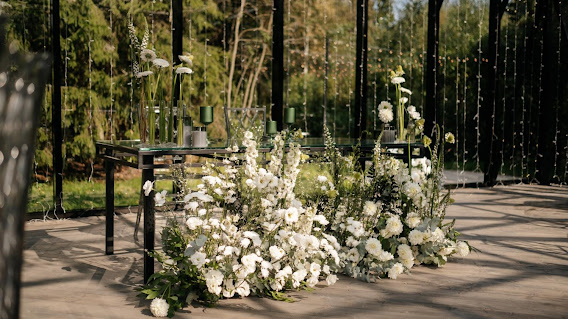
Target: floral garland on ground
389, 217
243, 232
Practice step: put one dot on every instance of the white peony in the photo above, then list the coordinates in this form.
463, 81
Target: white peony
373, 246
394, 226
462, 249
413, 220
385, 256
159, 307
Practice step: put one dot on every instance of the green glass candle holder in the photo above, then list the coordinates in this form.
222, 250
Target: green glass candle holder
206, 115
290, 116
271, 128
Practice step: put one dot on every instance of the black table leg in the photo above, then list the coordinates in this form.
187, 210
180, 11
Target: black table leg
109, 202
149, 220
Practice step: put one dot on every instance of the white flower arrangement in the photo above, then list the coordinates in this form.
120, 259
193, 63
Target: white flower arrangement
252, 236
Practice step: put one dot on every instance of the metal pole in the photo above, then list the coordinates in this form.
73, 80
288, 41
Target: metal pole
278, 62
177, 38
361, 68
56, 108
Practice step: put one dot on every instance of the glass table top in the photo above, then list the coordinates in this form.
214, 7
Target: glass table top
222, 144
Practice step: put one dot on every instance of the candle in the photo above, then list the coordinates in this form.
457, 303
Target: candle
290, 115
206, 114
271, 128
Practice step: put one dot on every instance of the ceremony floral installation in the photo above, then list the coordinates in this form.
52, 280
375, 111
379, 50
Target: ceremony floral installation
245, 231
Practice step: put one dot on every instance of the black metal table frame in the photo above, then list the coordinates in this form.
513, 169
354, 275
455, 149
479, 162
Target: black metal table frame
114, 154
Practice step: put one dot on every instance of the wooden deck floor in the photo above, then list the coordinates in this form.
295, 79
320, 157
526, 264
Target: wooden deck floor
521, 271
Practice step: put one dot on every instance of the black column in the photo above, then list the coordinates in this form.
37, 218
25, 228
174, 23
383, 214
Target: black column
177, 39
278, 62
548, 103
432, 113
149, 219
490, 115
109, 204
56, 107
361, 68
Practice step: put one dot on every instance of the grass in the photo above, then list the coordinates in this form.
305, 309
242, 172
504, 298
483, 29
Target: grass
85, 195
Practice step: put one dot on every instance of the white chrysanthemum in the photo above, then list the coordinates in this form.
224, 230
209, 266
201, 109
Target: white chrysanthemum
404, 252
143, 74
159, 307
369, 208
408, 263
147, 55
276, 252
412, 189
184, 70
398, 80
405, 90
160, 198
416, 237
413, 220
462, 249
386, 115
396, 270
385, 256
148, 186
373, 246
198, 259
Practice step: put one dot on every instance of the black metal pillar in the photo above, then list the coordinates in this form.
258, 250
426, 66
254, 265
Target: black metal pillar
149, 220
109, 205
361, 68
432, 113
278, 62
177, 39
491, 116
548, 102
56, 108
325, 81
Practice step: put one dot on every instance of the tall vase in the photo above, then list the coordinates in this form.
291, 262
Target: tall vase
180, 115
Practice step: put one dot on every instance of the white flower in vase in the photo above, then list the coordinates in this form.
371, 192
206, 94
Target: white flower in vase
405, 90
147, 55
144, 74
184, 70
161, 63
398, 80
